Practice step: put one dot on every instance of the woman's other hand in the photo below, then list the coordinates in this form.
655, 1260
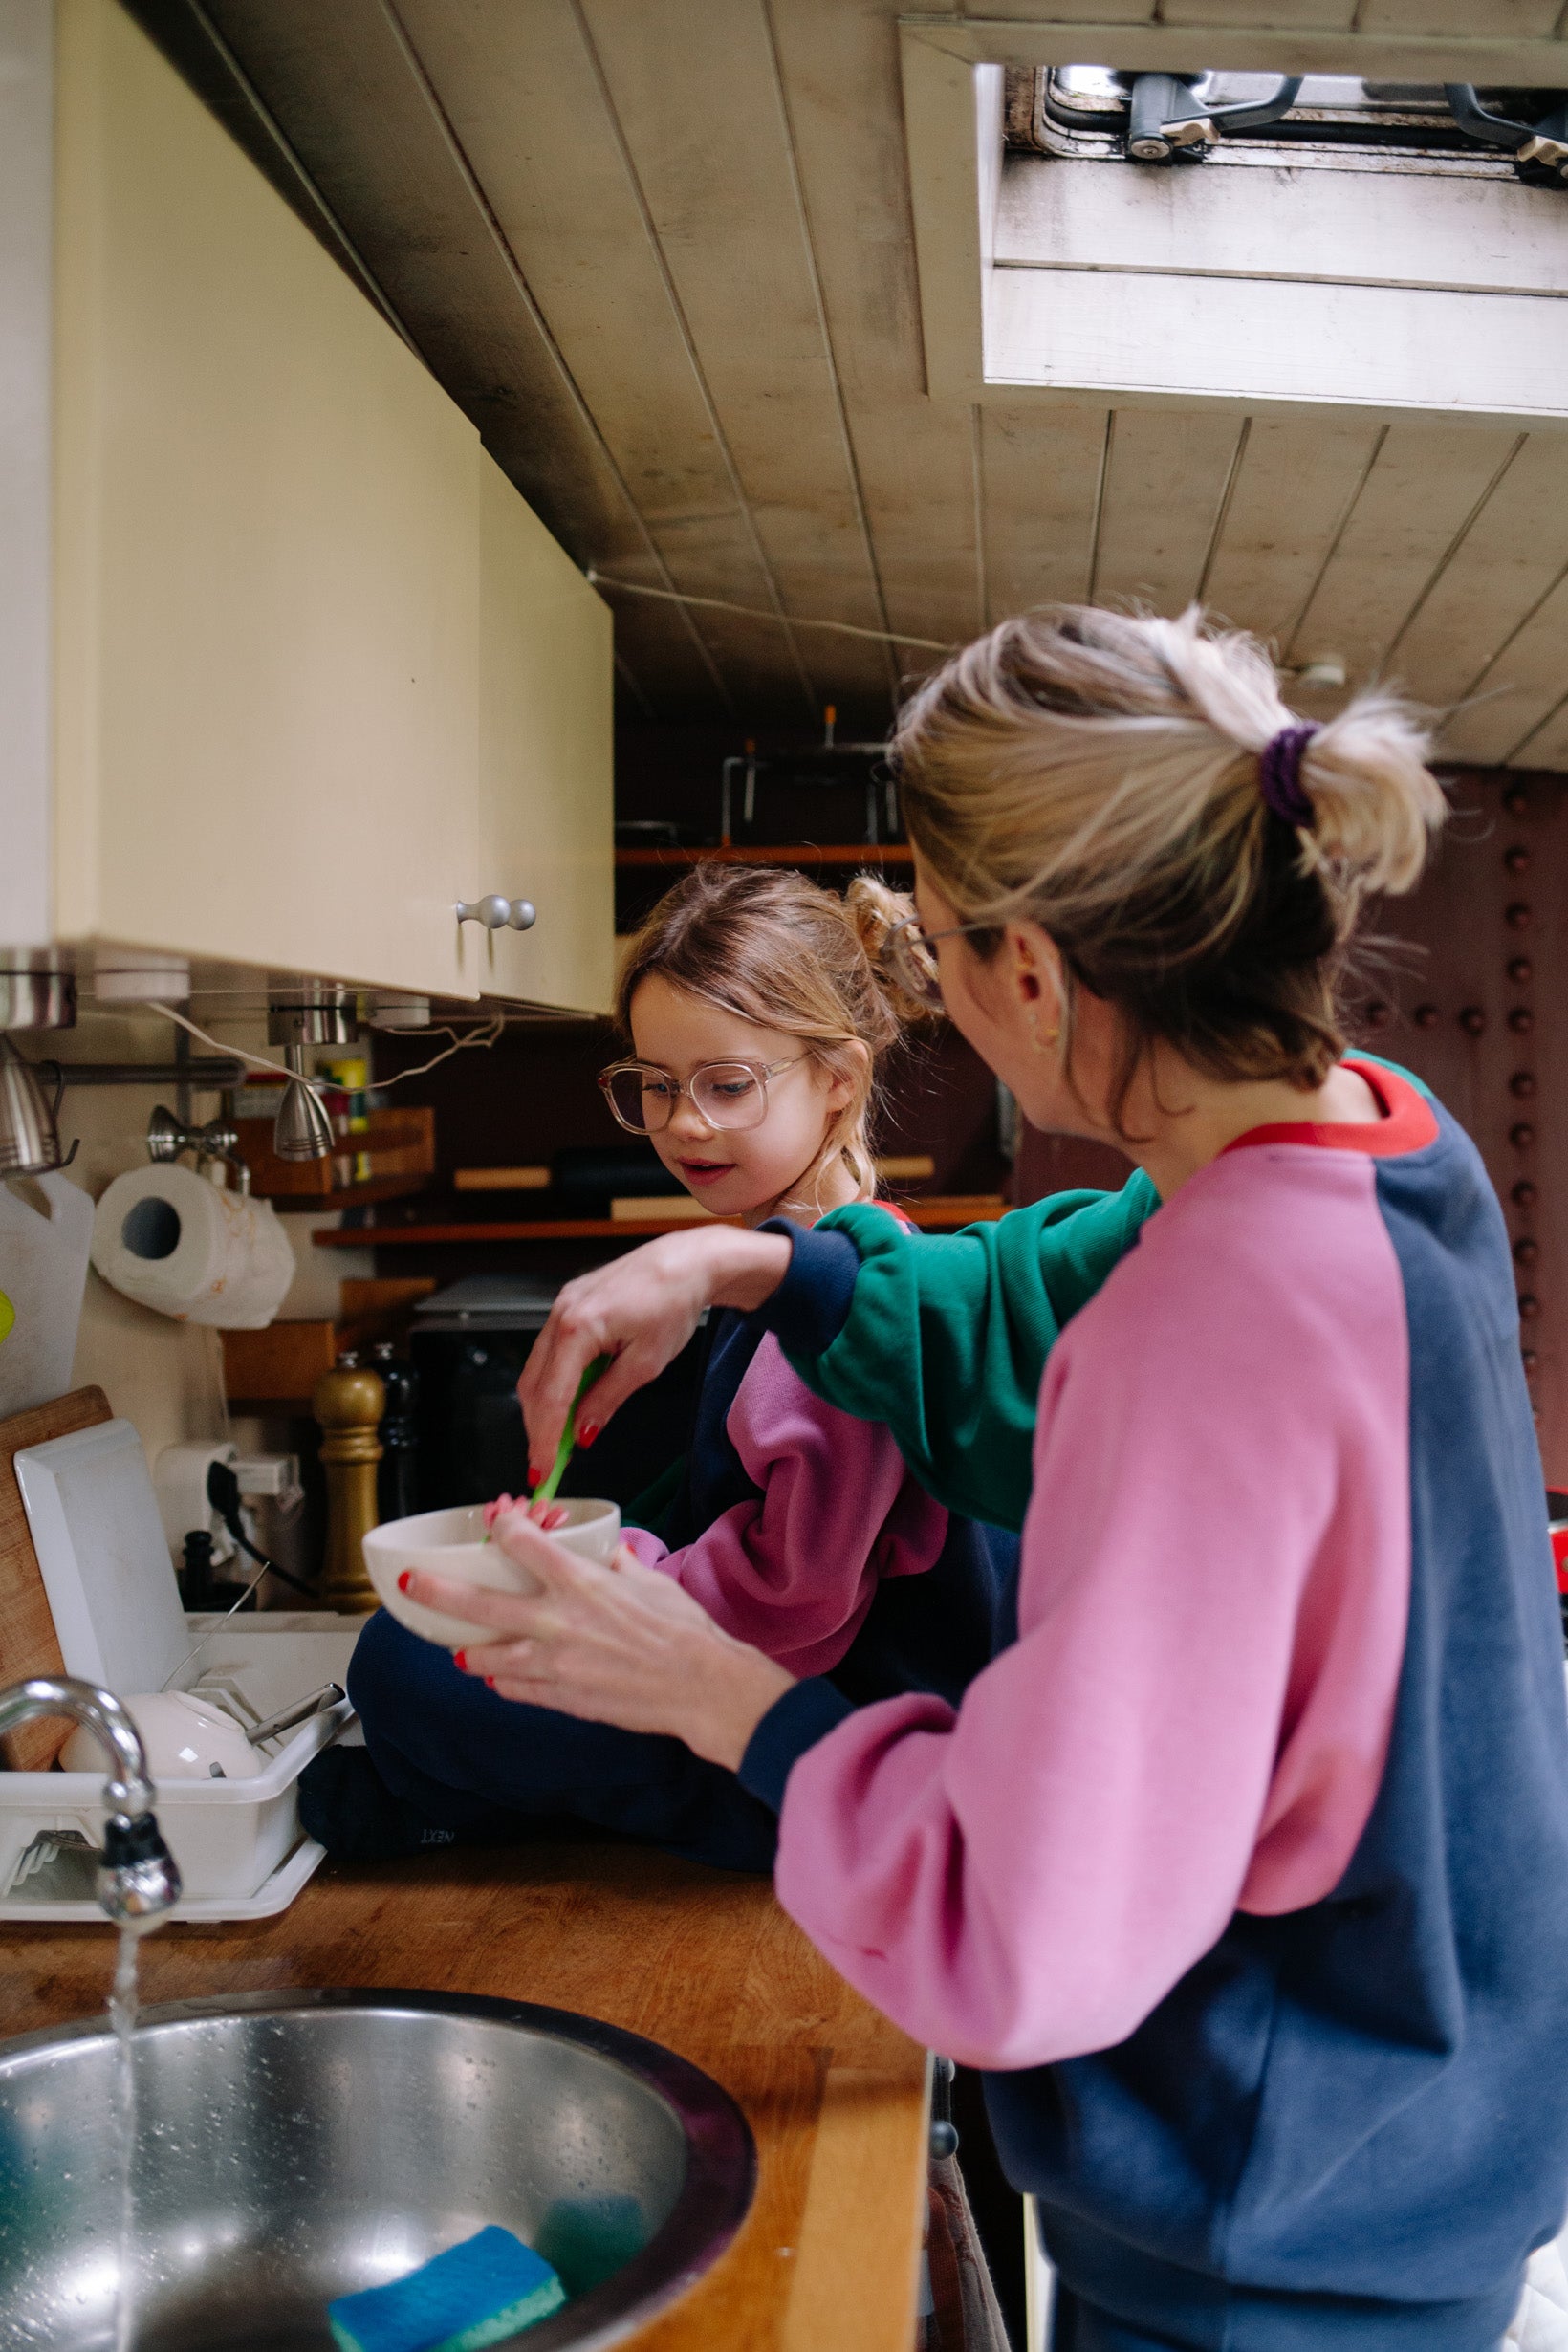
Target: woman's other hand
621, 1644
641, 1310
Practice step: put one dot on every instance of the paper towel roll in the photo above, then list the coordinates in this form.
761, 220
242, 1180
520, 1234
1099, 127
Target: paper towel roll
172, 1241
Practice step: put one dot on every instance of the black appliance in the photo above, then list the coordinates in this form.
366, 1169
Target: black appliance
470, 1343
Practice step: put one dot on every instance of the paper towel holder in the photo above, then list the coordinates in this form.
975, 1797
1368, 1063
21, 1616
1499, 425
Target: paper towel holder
167, 1137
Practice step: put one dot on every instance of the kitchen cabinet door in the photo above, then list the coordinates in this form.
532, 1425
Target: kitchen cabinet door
546, 820
266, 592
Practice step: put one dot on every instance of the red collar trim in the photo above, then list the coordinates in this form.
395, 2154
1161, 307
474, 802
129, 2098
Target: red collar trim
1409, 1123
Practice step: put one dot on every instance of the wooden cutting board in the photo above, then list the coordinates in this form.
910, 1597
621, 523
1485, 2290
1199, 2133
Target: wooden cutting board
27, 1630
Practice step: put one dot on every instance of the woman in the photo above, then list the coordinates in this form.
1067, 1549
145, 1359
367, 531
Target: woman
1245, 1869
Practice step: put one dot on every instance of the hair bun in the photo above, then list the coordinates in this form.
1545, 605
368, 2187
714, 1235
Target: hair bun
877, 913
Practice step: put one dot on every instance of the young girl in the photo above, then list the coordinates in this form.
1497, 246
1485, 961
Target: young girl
757, 1018
1245, 1870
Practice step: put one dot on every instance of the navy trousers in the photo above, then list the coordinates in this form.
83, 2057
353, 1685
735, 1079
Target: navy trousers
469, 1760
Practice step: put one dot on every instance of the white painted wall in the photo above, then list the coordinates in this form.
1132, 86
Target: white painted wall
26, 214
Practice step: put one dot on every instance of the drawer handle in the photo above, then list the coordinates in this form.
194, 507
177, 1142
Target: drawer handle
497, 913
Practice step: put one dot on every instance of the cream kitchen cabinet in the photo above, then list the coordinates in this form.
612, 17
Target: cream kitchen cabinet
318, 673
545, 762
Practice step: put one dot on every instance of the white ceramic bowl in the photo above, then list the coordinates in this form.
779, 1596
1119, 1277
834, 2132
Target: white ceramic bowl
448, 1544
184, 1737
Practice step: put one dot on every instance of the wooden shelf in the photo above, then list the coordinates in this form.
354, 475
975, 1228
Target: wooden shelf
773, 853
939, 1214
281, 1366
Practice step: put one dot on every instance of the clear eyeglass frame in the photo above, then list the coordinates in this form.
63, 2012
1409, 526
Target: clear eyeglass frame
705, 1088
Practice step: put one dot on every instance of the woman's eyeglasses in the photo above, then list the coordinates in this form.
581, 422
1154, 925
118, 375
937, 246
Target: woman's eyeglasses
906, 953
723, 1093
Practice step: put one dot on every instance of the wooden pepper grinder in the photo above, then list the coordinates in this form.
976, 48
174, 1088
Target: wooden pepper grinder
348, 1404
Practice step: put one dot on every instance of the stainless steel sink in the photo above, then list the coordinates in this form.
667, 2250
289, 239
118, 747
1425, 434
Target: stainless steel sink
294, 2146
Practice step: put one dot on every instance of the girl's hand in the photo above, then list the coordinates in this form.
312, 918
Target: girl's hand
622, 1645
641, 1309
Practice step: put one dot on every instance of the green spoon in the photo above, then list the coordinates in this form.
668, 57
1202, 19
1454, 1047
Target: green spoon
545, 1490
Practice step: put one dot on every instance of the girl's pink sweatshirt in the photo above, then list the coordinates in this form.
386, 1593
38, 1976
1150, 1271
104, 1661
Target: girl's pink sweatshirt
795, 1571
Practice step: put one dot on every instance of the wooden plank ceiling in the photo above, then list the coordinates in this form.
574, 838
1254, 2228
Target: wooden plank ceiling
661, 251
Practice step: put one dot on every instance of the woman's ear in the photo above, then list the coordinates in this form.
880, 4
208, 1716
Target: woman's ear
1036, 976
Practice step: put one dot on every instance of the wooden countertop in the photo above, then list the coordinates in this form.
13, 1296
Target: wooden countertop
700, 1960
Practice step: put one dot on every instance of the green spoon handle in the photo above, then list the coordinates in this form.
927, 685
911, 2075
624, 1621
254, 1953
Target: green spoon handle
545, 1490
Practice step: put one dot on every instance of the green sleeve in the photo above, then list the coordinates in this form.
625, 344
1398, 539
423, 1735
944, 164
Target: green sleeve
946, 1334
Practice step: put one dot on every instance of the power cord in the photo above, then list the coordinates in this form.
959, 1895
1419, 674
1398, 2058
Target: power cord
223, 1493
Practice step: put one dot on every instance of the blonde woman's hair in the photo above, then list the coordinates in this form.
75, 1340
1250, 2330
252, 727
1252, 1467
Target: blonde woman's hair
1098, 772
775, 948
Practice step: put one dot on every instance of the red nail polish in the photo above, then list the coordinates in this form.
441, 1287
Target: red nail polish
460, 1660
405, 1580
489, 1682
588, 1432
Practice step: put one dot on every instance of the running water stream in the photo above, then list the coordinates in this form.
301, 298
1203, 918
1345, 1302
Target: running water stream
123, 2008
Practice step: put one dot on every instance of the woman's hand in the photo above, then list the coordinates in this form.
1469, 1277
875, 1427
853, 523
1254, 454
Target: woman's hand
641, 1309
622, 1645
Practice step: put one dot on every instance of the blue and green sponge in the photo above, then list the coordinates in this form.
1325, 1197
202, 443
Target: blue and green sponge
474, 2295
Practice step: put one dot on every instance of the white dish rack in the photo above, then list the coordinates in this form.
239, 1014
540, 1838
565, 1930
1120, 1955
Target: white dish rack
106, 1569
231, 1839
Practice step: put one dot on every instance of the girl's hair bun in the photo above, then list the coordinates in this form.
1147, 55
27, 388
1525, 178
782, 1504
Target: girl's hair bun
876, 913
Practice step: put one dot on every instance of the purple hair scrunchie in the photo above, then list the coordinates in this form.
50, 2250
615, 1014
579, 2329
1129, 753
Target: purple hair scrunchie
1279, 772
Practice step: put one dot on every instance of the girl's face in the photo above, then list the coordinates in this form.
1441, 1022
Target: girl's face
745, 1172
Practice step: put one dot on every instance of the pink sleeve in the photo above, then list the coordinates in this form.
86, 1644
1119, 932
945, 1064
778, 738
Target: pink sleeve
1215, 1583
795, 1571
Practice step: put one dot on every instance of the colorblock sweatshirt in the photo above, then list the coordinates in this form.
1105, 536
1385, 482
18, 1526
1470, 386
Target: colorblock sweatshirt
793, 1566
1246, 1867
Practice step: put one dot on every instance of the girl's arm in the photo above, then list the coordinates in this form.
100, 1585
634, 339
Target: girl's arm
795, 1569
943, 1339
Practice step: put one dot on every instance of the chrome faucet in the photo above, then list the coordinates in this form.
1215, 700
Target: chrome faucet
137, 1876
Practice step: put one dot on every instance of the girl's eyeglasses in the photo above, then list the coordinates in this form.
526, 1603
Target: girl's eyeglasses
906, 953
723, 1093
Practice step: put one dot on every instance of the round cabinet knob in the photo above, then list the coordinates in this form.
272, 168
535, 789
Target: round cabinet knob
493, 911
497, 913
